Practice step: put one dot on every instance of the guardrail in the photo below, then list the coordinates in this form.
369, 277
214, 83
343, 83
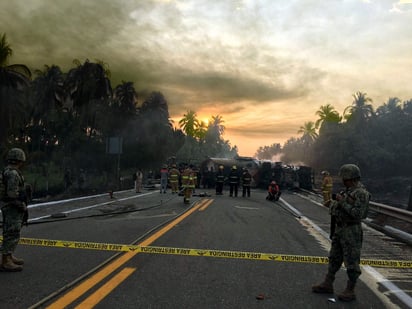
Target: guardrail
394, 212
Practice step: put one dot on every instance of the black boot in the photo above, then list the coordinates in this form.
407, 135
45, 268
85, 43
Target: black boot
326, 286
8, 265
349, 293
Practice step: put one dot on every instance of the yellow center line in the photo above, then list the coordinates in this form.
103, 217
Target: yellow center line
105, 290
78, 291
206, 204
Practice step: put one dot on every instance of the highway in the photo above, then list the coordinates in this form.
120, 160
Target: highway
150, 250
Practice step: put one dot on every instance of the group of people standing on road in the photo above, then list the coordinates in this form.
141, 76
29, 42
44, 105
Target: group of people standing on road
180, 181
234, 180
347, 209
245, 179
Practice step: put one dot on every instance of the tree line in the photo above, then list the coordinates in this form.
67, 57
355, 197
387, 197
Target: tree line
379, 141
66, 119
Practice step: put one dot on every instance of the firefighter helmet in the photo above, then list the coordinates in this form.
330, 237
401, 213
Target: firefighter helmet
349, 171
16, 154
234, 167
221, 167
325, 173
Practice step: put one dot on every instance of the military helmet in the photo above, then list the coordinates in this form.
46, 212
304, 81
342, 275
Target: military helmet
16, 154
349, 171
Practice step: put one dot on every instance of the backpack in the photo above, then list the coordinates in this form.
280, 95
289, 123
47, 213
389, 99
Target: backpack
3, 184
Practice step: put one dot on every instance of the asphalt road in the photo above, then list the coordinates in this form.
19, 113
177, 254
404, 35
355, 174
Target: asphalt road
140, 280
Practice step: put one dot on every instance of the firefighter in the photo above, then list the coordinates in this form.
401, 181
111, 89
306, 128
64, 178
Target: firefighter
327, 185
196, 178
246, 180
188, 184
273, 191
233, 181
174, 175
220, 180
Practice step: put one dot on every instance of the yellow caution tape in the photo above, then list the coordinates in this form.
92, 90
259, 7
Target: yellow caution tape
244, 255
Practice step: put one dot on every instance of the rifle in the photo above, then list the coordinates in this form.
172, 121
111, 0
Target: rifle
332, 217
25, 197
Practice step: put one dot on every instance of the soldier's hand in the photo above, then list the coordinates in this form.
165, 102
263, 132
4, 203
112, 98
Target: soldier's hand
22, 206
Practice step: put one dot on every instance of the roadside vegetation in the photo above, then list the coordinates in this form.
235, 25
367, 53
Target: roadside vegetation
67, 122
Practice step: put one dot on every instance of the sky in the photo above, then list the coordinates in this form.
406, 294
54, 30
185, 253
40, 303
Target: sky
264, 66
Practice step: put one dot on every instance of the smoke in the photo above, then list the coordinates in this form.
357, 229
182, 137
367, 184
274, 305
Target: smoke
271, 63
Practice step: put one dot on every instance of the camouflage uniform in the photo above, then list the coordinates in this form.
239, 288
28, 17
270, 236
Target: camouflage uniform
348, 236
347, 211
13, 213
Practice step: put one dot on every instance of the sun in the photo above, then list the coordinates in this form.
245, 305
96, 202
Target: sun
205, 121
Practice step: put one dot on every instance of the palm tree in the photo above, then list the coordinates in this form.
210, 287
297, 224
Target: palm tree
14, 81
125, 96
407, 107
309, 136
14, 75
89, 87
48, 87
200, 132
45, 105
392, 106
189, 123
327, 114
360, 110
308, 131
217, 124
156, 105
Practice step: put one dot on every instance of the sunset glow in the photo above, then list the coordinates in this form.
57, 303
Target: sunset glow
265, 66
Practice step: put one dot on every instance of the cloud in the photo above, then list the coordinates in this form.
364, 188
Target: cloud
269, 63
402, 6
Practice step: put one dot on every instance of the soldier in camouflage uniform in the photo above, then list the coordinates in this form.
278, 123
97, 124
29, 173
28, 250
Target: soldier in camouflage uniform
347, 209
13, 209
